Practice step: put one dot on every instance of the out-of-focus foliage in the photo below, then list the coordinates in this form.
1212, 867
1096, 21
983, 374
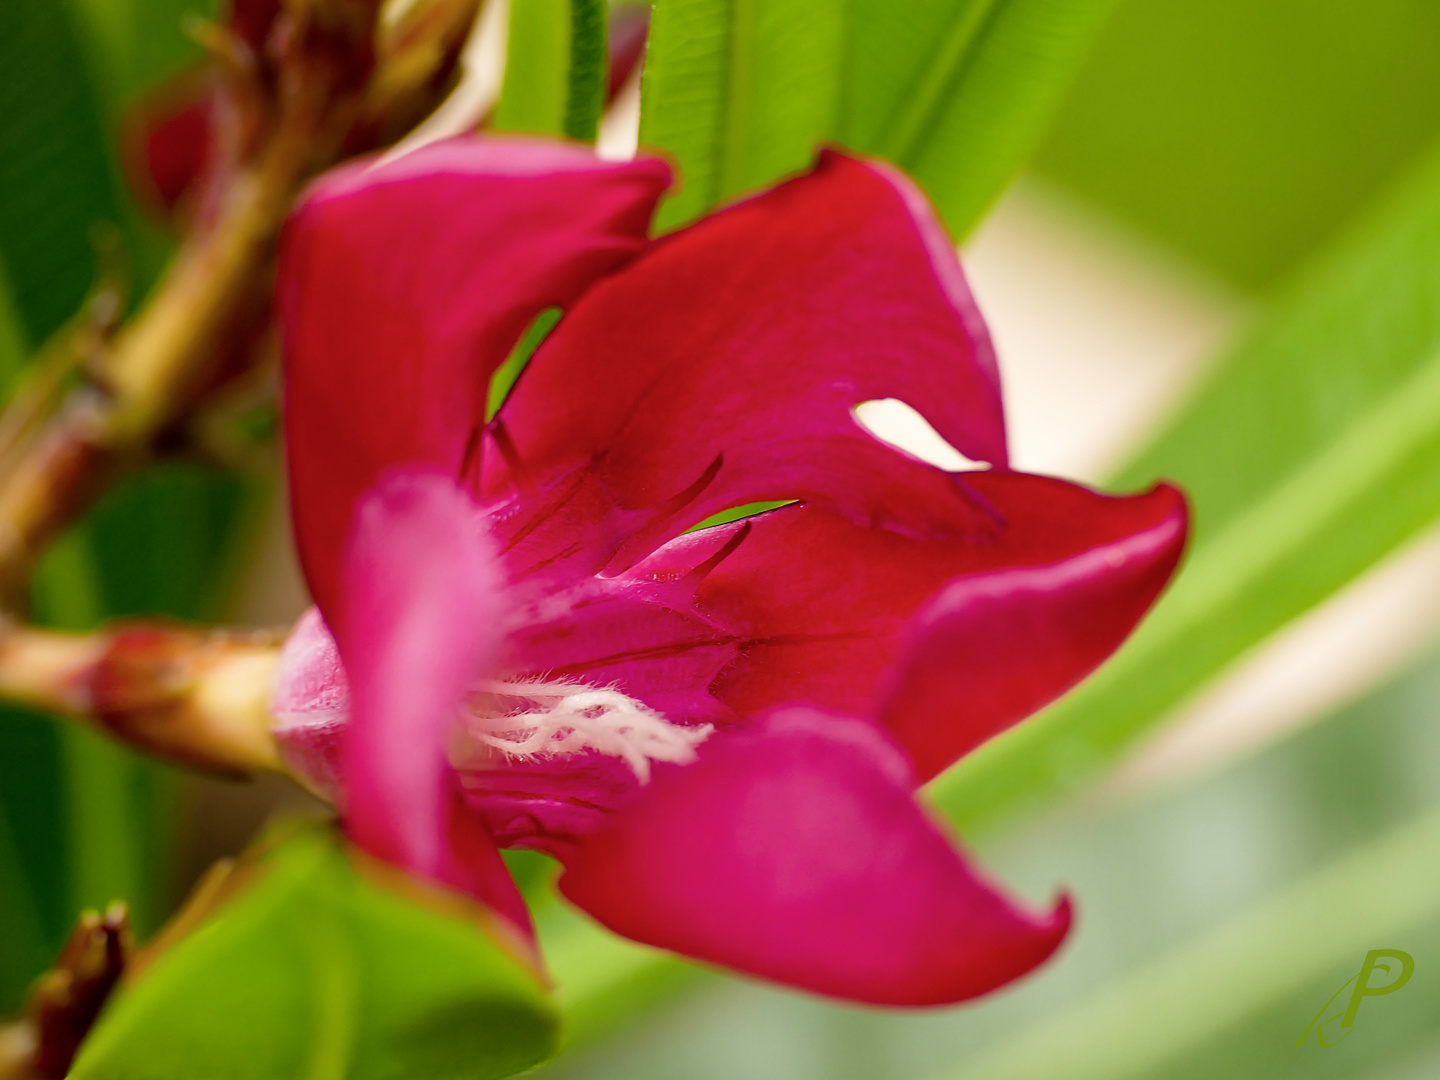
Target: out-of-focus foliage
1215, 919
83, 822
1241, 132
1313, 451
740, 92
314, 971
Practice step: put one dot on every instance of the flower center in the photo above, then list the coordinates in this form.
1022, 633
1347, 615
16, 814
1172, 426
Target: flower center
524, 720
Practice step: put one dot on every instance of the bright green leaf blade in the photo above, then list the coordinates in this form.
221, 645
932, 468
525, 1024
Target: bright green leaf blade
959, 94
997, 109
555, 67
682, 99
315, 972
1312, 454
533, 98
589, 64
739, 92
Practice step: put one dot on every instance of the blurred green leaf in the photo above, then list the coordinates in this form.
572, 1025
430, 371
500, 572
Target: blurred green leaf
959, 93
313, 971
741, 92
1312, 453
137, 43
603, 981
1155, 1019
555, 68
1244, 133
85, 821
56, 175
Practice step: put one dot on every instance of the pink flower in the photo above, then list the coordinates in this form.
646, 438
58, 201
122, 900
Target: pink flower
719, 733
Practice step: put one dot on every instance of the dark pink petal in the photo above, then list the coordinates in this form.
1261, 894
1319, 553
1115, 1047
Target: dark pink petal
723, 365
822, 609
403, 286
420, 623
994, 647
795, 851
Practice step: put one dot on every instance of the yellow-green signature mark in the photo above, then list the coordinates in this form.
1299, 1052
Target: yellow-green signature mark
1374, 959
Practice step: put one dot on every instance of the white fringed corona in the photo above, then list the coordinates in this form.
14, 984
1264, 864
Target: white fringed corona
524, 720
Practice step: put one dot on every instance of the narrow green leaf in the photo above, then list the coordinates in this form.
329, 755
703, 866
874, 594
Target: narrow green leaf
1313, 453
56, 176
503, 381
589, 64
682, 99
959, 93
315, 972
555, 69
533, 98
739, 92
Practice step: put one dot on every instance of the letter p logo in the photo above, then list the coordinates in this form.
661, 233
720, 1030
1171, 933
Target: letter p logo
1363, 987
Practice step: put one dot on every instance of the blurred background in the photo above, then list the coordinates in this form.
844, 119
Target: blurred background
1222, 266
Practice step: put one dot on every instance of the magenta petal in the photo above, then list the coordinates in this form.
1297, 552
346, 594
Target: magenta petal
741, 345
992, 648
420, 624
403, 286
823, 609
795, 851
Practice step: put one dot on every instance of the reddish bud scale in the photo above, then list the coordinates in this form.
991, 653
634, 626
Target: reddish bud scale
192, 697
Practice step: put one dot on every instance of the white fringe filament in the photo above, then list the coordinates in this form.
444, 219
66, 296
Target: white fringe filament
549, 719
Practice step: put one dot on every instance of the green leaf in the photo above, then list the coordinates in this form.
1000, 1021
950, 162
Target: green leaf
1313, 453
314, 971
137, 43
56, 176
555, 69
981, 84
589, 64
1222, 130
84, 821
1156, 1020
603, 981
739, 93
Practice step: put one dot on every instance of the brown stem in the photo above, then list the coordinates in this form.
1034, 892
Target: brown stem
169, 352
325, 83
67, 999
